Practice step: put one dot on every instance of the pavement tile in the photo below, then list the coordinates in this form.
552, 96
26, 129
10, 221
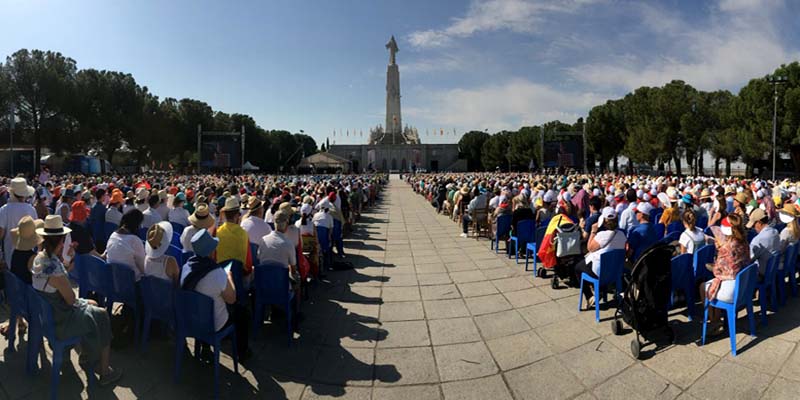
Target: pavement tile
406, 366
454, 330
636, 382
501, 323
439, 292
467, 276
439, 309
546, 380
517, 350
511, 284
474, 289
487, 304
464, 361
400, 293
405, 334
525, 297
491, 387
594, 362
434, 279
782, 389
402, 311
340, 366
422, 392
717, 383
682, 365
542, 314
567, 334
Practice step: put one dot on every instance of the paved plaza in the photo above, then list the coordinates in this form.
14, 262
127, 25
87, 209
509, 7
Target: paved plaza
429, 315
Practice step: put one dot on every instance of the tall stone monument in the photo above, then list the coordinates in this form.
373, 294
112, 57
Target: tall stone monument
395, 146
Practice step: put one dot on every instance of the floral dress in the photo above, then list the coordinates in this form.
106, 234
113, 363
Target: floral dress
89, 322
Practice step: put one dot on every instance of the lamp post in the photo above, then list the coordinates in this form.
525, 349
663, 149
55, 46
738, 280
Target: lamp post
775, 81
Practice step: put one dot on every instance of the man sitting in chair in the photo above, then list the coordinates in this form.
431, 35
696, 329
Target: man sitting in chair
477, 209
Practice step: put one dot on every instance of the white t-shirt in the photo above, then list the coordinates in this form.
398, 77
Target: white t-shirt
256, 228
321, 218
113, 215
179, 216
151, 217
692, 240
127, 250
212, 285
156, 267
163, 211
10, 214
608, 240
307, 229
277, 247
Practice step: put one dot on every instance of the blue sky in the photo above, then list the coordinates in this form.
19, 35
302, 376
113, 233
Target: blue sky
492, 64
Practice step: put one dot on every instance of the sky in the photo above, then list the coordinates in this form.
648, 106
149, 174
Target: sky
320, 66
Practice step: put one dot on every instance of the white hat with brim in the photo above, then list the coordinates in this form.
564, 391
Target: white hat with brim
19, 187
159, 234
53, 226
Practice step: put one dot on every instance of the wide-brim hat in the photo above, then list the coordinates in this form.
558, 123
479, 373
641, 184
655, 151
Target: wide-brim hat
741, 198
53, 226
254, 203
201, 217
788, 213
24, 236
19, 187
159, 237
231, 204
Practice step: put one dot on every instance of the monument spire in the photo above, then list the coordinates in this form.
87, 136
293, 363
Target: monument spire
394, 122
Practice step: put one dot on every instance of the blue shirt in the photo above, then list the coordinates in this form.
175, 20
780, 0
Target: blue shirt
762, 246
590, 221
641, 237
97, 217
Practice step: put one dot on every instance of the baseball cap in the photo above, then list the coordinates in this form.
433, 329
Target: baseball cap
756, 215
644, 208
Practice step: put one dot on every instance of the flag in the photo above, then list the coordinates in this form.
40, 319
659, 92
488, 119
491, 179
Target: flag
334, 133
348, 132
441, 132
547, 251
361, 133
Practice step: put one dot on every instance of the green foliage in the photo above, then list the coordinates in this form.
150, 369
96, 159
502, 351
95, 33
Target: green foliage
469, 147
496, 152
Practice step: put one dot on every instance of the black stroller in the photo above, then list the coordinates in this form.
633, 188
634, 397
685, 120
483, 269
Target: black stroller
645, 304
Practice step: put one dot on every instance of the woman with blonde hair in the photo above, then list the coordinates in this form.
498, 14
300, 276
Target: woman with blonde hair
791, 233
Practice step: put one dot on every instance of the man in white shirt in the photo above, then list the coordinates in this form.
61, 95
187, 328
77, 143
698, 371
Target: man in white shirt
323, 216
13, 211
178, 214
253, 222
163, 210
151, 214
627, 219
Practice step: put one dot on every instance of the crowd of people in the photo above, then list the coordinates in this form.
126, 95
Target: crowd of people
747, 220
133, 221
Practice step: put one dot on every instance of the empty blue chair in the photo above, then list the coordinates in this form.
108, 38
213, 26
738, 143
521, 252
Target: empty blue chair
98, 231
125, 291
702, 256
767, 285
175, 252
43, 326
93, 276
272, 287
660, 229
789, 271
612, 263
530, 248
676, 226
158, 302
18, 304
522, 236
683, 279
742, 298
108, 229
503, 224
194, 317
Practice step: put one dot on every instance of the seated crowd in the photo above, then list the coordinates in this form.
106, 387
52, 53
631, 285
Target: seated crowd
747, 220
192, 231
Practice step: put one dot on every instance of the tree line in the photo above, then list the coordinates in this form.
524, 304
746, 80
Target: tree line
671, 127
71, 110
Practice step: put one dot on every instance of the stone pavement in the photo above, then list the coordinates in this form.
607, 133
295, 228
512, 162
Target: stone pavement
429, 315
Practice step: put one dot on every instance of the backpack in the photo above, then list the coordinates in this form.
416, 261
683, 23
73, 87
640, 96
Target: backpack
568, 240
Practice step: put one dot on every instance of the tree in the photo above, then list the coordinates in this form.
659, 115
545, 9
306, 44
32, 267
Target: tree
495, 152
606, 131
523, 147
308, 144
41, 85
322, 148
469, 148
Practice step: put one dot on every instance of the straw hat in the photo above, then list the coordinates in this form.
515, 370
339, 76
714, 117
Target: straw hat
287, 207
231, 204
53, 226
253, 203
705, 194
741, 198
788, 213
201, 218
19, 187
24, 236
158, 238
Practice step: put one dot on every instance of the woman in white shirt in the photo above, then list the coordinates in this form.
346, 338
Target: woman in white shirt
692, 237
610, 238
178, 214
157, 263
124, 246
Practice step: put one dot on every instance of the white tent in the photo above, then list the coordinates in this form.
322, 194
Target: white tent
249, 167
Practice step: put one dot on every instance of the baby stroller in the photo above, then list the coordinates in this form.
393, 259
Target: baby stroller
645, 303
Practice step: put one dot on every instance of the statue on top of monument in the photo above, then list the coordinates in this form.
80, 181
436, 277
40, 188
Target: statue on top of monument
392, 46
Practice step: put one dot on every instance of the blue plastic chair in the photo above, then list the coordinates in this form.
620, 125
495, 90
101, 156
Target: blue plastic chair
93, 276
98, 230
237, 276
18, 304
768, 285
522, 236
176, 240
158, 302
108, 229
43, 326
175, 252
177, 228
676, 226
324, 245
789, 271
655, 215
674, 236
503, 224
125, 290
743, 298
272, 287
702, 256
530, 248
612, 263
683, 279
660, 229
194, 317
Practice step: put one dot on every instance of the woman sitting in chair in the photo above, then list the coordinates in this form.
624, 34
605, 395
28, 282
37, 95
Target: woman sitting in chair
692, 237
610, 238
733, 254
72, 316
125, 247
157, 263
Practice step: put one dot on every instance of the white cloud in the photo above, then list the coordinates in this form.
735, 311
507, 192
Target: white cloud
738, 44
510, 105
491, 15
444, 62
